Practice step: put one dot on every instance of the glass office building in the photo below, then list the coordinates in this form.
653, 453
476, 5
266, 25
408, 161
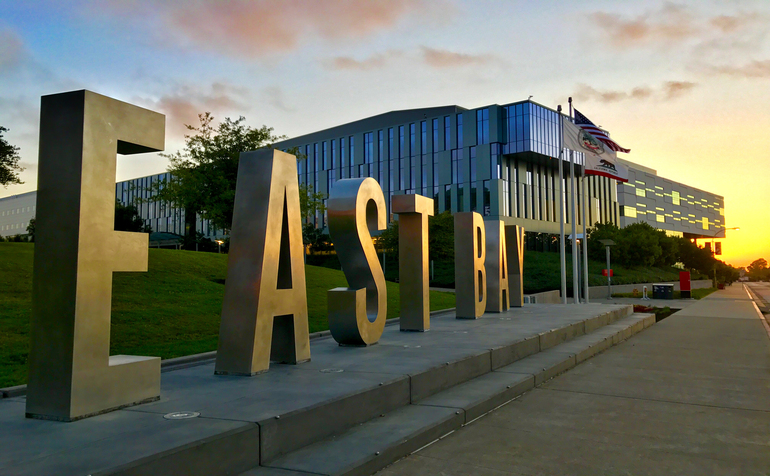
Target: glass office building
499, 160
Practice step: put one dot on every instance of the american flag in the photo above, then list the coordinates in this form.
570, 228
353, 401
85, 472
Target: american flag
591, 128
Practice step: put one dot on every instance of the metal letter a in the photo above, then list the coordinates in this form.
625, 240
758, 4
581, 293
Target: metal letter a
264, 313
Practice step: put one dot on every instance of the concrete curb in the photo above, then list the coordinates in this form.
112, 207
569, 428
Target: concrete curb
186, 361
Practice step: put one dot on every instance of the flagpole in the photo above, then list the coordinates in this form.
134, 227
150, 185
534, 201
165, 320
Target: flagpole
575, 272
585, 236
562, 197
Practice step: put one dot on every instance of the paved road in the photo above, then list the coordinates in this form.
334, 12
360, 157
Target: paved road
690, 395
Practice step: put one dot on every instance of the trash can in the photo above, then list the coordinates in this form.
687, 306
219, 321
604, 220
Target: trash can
663, 291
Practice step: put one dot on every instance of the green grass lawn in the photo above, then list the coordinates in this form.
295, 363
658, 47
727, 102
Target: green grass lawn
541, 273
170, 311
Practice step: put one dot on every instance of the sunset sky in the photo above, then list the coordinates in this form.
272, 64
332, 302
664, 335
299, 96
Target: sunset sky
685, 85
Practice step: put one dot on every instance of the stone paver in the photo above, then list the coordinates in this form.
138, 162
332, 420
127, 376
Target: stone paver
690, 395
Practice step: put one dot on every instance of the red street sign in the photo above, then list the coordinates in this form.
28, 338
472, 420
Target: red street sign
604, 273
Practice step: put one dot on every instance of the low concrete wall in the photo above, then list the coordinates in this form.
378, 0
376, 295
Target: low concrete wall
599, 292
547, 297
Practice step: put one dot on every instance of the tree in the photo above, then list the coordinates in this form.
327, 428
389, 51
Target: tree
204, 173
31, 229
127, 218
310, 202
758, 270
9, 162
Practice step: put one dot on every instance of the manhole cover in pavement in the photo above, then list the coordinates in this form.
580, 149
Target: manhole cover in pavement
331, 371
181, 415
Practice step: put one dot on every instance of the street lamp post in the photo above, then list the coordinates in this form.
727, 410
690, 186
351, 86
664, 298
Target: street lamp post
220, 242
607, 244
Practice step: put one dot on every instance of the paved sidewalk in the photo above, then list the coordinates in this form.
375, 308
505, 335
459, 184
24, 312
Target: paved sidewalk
690, 395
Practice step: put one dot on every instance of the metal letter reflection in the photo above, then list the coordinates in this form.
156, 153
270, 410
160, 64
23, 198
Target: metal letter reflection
264, 313
497, 269
413, 212
71, 374
357, 313
470, 275
514, 241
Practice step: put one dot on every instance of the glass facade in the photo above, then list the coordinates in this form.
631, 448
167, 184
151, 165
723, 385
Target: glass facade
505, 167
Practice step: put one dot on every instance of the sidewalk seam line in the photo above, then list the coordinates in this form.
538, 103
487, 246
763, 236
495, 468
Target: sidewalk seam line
654, 400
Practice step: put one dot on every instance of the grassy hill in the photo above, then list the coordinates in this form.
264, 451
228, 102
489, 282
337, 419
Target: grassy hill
541, 273
172, 310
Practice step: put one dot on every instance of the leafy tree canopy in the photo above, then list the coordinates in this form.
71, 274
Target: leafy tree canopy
204, 173
9, 162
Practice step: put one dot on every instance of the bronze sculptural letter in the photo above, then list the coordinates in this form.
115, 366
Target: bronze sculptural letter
497, 267
264, 313
470, 274
413, 212
71, 374
514, 238
357, 313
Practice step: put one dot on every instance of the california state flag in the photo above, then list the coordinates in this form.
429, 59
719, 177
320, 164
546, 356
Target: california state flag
600, 159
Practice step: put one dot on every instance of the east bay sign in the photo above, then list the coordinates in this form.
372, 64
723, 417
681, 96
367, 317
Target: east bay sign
264, 313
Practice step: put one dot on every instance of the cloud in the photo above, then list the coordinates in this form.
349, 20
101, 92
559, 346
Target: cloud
13, 53
259, 28
347, 63
182, 105
668, 90
273, 95
674, 23
449, 59
755, 69
671, 22
675, 89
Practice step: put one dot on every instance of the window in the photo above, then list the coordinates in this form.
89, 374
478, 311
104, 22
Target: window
482, 126
434, 145
325, 156
448, 197
424, 137
368, 147
344, 172
447, 133
335, 163
412, 139
457, 170
675, 197
400, 141
640, 192
459, 131
472, 162
627, 211
496, 163
352, 153
660, 218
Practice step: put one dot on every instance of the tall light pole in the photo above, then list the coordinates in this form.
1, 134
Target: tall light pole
607, 244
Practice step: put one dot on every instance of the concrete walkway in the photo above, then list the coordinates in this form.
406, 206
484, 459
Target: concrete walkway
691, 395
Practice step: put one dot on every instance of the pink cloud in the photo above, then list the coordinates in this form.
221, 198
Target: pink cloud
259, 28
449, 59
754, 69
182, 105
349, 63
668, 90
